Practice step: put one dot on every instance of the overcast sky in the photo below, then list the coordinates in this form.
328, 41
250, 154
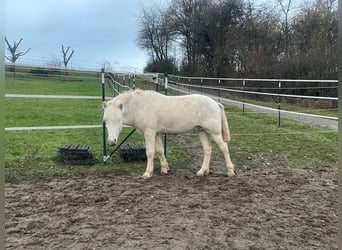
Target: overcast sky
98, 31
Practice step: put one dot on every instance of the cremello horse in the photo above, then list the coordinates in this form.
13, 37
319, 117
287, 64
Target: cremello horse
153, 113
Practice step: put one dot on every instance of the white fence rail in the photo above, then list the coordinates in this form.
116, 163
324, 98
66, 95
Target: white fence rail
51, 127
189, 78
256, 93
196, 85
244, 81
185, 86
53, 96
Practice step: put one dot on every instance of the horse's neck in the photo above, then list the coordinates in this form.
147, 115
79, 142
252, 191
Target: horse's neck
130, 103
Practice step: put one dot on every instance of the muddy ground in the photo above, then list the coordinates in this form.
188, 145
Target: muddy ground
260, 208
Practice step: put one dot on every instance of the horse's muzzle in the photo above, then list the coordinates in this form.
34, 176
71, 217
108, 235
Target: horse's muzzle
112, 142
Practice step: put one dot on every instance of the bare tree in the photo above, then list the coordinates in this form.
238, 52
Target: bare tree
155, 36
67, 56
236, 37
13, 50
188, 18
15, 54
316, 33
286, 8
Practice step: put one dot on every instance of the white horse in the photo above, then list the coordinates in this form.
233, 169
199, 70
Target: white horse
153, 113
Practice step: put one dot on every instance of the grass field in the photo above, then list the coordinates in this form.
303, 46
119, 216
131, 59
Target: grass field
256, 139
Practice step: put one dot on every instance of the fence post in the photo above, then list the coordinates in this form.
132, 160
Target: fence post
104, 155
189, 85
166, 83
134, 81
279, 103
201, 85
243, 96
156, 82
219, 91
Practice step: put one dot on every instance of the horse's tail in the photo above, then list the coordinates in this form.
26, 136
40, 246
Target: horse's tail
224, 125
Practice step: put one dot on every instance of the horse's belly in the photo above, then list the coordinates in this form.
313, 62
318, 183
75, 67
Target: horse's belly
177, 130
178, 123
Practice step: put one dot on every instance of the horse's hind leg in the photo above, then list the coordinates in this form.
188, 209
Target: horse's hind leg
164, 166
150, 139
206, 144
224, 148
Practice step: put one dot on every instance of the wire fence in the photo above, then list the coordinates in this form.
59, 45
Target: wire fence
28, 71
217, 87
119, 82
285, 95
286, 87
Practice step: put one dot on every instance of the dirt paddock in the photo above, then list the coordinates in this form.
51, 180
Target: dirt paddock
260, 208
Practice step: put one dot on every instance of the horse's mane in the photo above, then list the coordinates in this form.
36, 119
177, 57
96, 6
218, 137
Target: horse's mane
125, 96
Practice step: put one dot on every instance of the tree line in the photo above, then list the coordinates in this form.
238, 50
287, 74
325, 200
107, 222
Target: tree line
237, 38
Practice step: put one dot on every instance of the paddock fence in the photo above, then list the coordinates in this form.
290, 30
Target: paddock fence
29, 72
232, 91
277, 93
116, 83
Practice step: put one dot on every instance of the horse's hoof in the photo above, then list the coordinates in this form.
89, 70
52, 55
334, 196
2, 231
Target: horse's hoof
231, 174
164, 171
146, 176
201, 173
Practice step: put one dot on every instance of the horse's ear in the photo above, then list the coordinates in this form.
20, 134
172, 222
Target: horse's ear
104, 105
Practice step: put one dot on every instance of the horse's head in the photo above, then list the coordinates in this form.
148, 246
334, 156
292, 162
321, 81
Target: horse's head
112, 116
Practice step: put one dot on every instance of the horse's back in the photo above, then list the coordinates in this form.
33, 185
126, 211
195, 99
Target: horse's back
178, 113
193, 103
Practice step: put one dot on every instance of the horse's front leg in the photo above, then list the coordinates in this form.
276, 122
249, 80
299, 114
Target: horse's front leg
164, 166
150, 139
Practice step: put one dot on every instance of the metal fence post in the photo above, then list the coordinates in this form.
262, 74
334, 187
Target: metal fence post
201, 85
129, 80
189, 85
155, 77
279, 103
134, 81
166, 83
219, 91
104, 155
243, 96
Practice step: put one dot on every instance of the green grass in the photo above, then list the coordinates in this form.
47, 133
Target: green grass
30, 155
52, 112
28, 84
257, 141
